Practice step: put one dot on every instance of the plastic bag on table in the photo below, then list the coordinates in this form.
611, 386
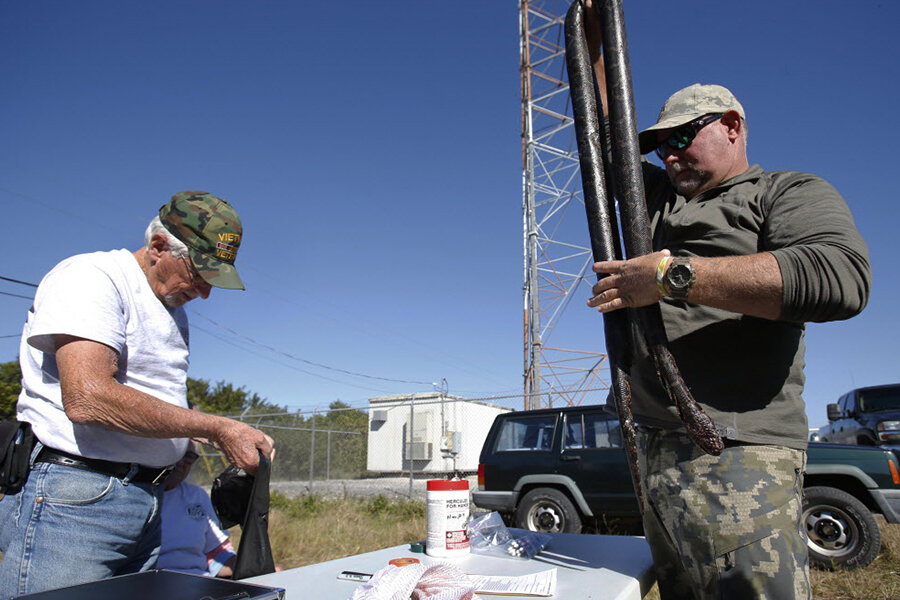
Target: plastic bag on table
417, 582
489, 535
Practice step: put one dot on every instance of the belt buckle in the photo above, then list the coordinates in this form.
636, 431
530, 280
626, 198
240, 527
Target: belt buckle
162, 475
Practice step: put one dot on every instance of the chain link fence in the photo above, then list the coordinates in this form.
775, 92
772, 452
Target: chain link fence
392, 447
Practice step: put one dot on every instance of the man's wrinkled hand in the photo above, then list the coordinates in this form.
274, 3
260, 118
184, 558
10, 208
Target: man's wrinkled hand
242, 444
628, 283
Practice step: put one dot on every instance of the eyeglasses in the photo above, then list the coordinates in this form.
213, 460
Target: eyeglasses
681, 137
192, 272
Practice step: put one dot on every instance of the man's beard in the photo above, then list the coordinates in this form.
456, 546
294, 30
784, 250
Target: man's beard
686, 179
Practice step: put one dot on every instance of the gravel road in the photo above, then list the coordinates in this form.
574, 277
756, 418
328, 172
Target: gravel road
390, 487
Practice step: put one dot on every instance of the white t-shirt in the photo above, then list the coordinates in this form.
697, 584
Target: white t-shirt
192, 540
104, 297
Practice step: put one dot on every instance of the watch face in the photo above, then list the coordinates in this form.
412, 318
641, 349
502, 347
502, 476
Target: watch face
679, 275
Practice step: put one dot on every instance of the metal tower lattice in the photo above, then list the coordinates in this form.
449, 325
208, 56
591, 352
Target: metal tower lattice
557, 261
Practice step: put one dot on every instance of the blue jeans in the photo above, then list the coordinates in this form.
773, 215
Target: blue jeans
68, 526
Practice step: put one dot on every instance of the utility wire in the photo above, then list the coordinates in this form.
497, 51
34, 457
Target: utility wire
10, 279
34, 285
252, 341
92, 222
294, 367
17, 295
303, 360
55, 208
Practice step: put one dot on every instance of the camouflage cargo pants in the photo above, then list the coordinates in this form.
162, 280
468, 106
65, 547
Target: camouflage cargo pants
726, 527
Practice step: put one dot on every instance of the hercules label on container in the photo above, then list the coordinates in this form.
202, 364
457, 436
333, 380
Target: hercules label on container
446, 516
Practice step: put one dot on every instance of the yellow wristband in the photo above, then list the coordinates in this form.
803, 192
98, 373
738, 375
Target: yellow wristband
661, 273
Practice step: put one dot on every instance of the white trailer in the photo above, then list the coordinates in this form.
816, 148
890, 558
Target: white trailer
427, 433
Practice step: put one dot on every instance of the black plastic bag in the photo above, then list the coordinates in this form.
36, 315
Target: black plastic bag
239, 498
230, 496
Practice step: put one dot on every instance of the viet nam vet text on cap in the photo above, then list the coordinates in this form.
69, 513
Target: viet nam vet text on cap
211, 230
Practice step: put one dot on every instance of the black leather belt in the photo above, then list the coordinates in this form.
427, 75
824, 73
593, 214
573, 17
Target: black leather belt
151, 475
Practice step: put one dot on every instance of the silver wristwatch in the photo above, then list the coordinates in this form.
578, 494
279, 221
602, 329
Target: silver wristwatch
679, 278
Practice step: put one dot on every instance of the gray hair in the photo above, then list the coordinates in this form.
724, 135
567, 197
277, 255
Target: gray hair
176, 246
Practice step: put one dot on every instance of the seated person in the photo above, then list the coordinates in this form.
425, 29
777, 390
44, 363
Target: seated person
192, 540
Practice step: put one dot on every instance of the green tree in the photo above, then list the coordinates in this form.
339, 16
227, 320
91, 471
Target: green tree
10, 386
197, 391
224, 398
346, 453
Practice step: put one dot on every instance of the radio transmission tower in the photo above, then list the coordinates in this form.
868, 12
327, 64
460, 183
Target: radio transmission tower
557, 261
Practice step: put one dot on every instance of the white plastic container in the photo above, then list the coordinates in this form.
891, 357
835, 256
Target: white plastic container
446, 515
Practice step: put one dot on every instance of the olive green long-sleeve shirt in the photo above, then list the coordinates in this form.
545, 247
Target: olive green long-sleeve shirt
747, 372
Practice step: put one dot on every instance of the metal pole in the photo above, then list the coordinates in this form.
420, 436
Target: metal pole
531, 291
409, 437
328, 458
312, 450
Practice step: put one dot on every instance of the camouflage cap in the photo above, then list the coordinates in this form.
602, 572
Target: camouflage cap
211, 230
688, 104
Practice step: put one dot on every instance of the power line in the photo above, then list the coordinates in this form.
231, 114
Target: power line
17, 295
55, 208
34, 285
303, 360
288, 366
252, 341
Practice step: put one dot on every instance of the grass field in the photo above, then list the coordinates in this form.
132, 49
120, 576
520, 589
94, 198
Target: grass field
309, 529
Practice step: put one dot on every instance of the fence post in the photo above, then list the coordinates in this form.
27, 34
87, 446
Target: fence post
409, 439
312, 451
328, 457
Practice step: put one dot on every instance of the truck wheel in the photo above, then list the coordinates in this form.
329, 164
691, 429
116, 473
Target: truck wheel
842, 531
548, 510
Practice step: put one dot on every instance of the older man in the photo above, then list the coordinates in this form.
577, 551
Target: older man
104, 359
744, 257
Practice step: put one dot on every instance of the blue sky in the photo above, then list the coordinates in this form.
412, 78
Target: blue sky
373, 153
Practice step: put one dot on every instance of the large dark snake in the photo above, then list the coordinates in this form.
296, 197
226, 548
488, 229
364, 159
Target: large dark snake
628, 186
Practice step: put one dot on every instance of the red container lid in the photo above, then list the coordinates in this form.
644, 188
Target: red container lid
402, 562
447, 485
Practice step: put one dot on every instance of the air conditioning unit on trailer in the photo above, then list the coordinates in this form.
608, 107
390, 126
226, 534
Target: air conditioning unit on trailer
418, 451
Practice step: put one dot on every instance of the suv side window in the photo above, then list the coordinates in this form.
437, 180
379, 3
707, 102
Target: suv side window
602, 431
592, 430
574, 432
526, 433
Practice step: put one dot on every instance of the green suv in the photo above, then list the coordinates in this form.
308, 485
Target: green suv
556, 470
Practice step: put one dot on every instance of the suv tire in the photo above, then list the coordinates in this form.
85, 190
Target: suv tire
842, 531
548, 510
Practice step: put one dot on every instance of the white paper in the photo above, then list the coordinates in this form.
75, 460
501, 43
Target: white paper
542, 583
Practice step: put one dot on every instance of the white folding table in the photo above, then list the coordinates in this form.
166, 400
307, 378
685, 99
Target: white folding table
589, 567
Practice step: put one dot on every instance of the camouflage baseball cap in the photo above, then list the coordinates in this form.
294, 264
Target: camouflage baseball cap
688, 104
211, 230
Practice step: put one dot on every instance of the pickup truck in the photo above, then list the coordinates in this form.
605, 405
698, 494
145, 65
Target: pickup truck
868, 416
559, 470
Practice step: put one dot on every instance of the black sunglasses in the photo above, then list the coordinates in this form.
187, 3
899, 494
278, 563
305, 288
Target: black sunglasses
681, 137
